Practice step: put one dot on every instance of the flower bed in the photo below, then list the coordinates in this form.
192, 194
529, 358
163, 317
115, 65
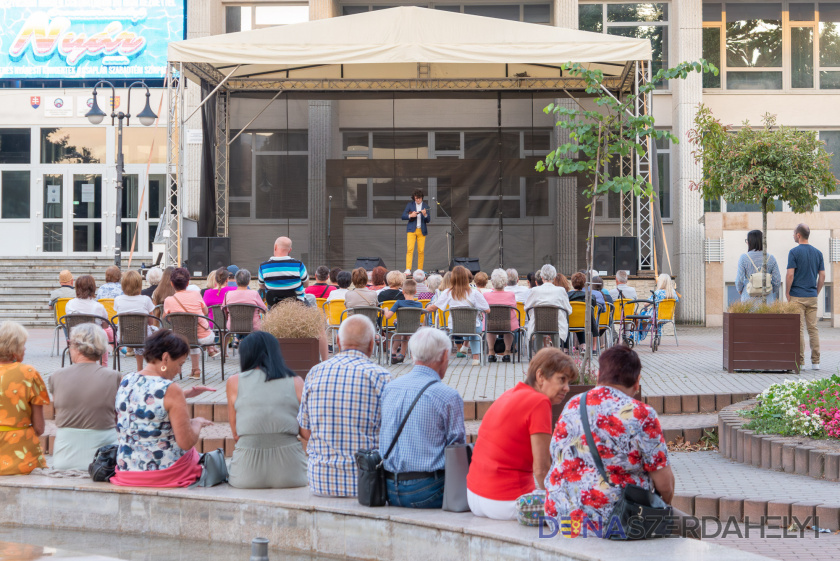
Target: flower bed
800, 407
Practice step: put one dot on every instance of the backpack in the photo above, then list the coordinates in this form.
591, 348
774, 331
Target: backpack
756, 285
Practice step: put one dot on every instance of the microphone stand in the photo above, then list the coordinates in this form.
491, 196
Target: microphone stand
450, 243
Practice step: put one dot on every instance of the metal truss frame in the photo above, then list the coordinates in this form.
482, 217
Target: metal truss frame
222, 153
644, 215
174, 164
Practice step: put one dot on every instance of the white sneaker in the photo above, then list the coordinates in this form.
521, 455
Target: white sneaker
465, 349
815, 367
476, 362
408, 272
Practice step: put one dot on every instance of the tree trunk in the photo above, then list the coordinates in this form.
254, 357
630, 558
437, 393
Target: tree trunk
764, 247
590, 262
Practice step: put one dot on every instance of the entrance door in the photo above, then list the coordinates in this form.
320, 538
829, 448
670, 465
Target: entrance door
143, 197
54, 223
86, 222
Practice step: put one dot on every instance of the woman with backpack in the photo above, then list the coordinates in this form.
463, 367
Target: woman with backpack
749, 282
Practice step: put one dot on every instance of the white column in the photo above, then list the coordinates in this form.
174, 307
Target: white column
323, 9
688, 93
566, 13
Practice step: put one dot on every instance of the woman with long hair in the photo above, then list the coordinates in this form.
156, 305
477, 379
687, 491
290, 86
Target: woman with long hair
216, 296
164, 289
462, 295
752, 262
263, 403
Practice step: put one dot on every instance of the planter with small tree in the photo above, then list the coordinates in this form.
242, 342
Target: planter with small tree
297, 328
769, 165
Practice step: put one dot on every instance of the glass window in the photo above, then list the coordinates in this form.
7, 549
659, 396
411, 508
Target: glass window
53, 195
802, 57
753, 35
829, 35
539, 141
663, 164
832, 146
139, 142
711, 52
537, 13
712, 205
591, 17
87, 196
355, 141
829, 80
267, 16
350, 10
281, 141
754, 80
14, 146
637, 12
53, 237
712, 12
239, 209
801, 11
356, 196
500, 11
829, 205
87, 236
237, 18
73, 145
282, 186
656, 34
239, 162
447, 141
536, 196
157, 195
15, 194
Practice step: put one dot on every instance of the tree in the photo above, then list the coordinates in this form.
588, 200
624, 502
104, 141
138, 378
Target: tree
599, 136
764, 165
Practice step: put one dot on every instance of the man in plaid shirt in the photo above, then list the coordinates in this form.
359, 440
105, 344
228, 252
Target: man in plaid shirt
340, 409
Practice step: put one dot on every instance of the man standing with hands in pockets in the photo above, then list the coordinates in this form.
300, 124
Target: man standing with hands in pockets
805, 280
417, 214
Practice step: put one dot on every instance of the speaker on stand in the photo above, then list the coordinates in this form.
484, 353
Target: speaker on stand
218, 253
369, 263
627, 254
471, 264
197, 257
604, 254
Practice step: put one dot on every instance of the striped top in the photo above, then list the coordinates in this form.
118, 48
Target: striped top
284, 273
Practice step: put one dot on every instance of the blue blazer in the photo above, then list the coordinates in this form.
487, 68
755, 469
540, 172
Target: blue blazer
412, 222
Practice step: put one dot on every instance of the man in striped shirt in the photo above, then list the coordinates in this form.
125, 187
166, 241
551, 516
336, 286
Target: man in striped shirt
282, 276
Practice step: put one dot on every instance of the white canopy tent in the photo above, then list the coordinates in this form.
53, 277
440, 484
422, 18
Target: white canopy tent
412, 50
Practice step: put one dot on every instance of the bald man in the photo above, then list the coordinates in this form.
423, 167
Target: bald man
341, 409
282, 276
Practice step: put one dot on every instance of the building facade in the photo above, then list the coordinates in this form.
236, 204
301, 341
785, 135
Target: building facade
475, 157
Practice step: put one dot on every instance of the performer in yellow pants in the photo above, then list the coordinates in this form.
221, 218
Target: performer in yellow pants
412, 237
417, 214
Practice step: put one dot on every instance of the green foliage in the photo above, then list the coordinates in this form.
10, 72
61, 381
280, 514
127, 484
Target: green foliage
761, 164
801, 407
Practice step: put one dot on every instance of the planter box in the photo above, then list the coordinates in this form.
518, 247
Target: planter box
760, 341
575, 389
300, 354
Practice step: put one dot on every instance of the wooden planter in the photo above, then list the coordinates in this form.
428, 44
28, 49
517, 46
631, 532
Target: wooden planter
760, 341
575, 389
300, 354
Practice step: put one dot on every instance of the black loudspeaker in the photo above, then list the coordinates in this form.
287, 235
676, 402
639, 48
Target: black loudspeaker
369, 263
218, 253
627, 254
470, 263
197, 257
604, 257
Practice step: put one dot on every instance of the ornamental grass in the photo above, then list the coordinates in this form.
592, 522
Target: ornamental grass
758, 306
291, 319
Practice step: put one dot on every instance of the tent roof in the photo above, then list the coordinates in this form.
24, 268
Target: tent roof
405, 43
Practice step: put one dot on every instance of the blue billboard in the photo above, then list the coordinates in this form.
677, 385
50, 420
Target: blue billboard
57, 39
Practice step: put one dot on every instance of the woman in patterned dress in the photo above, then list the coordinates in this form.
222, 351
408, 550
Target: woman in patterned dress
156, 434
23, 395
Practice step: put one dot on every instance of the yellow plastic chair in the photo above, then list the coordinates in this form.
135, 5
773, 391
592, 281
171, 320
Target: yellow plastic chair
389, 322
666, 314
333, 309
523, 317
629, 309
577, 321
109, 307
425, 302
605, 322
60, 307
319, 302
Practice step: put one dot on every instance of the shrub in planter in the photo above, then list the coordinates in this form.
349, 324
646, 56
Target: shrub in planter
297, 328
761, 336
799, 407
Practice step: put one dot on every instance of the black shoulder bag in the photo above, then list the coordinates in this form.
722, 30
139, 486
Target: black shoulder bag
371, 477
642, 514
104, 464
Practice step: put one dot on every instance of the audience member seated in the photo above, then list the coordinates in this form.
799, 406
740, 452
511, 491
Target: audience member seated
282, 276
22, 399
511, 456
501, 297
433, 283
153, 277
462, 295
65, 288
414, 471
480, 280
665, 289
164, 289
561, 281
578, 294
211, 282
334, 276
84, 396
394, 291
377, 278
598, 285
338, 422
360, 295
156, 435
630, 439
320, 288
627, 291
546, 294
532, 280
189, 302
232, 270
243, 295
409, 301
112, 287
521, 292
216, 296
131, 301
85, 303
344, 279
263, 403
423, 291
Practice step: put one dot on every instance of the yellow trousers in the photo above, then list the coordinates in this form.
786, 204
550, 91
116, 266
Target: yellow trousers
411, 238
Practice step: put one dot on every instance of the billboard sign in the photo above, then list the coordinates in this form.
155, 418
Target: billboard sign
61, 39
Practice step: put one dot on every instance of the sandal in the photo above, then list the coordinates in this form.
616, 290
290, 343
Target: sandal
196, 374
212, 352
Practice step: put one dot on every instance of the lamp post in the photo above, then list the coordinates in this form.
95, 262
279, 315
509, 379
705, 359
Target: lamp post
95, 116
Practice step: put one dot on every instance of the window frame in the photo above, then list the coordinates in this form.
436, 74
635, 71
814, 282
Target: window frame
253, 13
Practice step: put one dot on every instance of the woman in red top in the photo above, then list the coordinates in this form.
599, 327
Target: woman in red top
511, 456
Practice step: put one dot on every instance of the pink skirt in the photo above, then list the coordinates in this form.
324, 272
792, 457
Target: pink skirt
182, 473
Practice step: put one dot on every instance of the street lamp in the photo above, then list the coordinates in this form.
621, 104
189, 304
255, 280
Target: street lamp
96, 116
